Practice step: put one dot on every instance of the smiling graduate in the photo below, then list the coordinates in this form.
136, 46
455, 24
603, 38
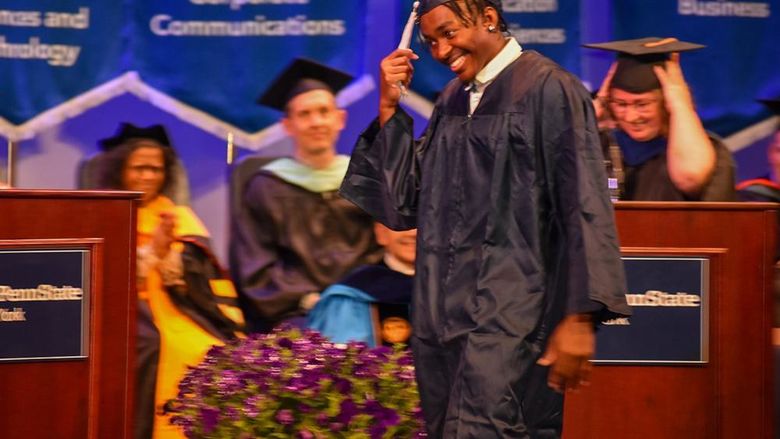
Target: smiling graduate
517, 252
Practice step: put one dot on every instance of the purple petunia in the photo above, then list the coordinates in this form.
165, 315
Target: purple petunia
294, 383
210, 417
348, 410
285, 417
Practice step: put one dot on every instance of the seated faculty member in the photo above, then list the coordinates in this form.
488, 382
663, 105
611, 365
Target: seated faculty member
297, 235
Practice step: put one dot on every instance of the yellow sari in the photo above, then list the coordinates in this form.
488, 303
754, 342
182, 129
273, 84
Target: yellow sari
182, 342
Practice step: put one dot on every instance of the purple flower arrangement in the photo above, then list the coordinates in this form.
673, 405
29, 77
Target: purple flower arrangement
294, 383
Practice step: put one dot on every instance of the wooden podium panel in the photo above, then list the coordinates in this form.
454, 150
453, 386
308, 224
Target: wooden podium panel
89, 397
729, 396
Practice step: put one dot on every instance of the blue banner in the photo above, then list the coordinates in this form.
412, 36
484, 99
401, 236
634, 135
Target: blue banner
205, 60
668, 297
551, 27
44, 298
219, 56
53, 50
739, 63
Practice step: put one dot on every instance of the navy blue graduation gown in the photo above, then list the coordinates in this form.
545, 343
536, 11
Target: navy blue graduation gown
290, 241
515, 230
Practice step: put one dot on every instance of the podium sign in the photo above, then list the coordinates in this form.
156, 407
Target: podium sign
68, 301
44, 303
669, 325
698, 367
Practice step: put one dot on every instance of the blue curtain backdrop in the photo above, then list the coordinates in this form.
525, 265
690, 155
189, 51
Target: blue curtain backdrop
213, 56
54, 50
216, 56
220, 58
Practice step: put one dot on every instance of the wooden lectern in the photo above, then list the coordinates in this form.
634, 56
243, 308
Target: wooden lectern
87, 395
729, 395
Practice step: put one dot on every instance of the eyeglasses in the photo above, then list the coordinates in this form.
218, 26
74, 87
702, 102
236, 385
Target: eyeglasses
643, 106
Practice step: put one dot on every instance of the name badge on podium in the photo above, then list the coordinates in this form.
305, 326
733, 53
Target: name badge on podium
669, 325
44, 303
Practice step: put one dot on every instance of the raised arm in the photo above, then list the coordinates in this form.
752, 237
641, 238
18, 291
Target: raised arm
690, 154
602, 97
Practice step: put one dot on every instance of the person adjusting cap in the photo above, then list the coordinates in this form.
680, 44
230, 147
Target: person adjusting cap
636, 58
301, 76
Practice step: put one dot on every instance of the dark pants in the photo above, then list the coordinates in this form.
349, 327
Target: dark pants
486, 386
147, 357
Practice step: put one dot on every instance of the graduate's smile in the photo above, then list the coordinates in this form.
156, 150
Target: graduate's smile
457, 63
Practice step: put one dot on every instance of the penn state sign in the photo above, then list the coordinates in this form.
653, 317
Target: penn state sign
668, 297
44, 304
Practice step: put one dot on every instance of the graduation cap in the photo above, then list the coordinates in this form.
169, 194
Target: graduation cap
636, 58
128, 131
427, 5
772, 104
301, 76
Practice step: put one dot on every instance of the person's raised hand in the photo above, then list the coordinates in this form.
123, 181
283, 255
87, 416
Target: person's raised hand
675, 89
394, 70
602, 97
164, 236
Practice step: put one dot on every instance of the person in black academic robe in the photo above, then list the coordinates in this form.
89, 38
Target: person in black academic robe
658, 149
294, 235
185, 303
767, 189
293, 242
517, 251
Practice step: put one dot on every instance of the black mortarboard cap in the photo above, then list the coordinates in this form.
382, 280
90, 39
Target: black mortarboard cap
773, 104
128, 131
427, 5
636, 58
300, 76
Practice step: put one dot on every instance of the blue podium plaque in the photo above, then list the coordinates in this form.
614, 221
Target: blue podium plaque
668, 296
44, 303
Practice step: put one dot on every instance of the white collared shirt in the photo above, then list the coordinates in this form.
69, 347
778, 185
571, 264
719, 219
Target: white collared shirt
485, 77
396, 264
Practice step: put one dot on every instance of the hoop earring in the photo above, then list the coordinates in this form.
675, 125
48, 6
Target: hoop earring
491, 28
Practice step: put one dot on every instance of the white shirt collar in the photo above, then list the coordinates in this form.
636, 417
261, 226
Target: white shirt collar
506, 56
396, 264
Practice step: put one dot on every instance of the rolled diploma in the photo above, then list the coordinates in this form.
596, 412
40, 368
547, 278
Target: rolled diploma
406, 37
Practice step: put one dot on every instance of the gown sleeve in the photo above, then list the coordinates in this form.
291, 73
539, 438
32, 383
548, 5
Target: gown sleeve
722, 182
593, 278
383, 174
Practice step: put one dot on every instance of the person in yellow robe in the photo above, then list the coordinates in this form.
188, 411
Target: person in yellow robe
185, 302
